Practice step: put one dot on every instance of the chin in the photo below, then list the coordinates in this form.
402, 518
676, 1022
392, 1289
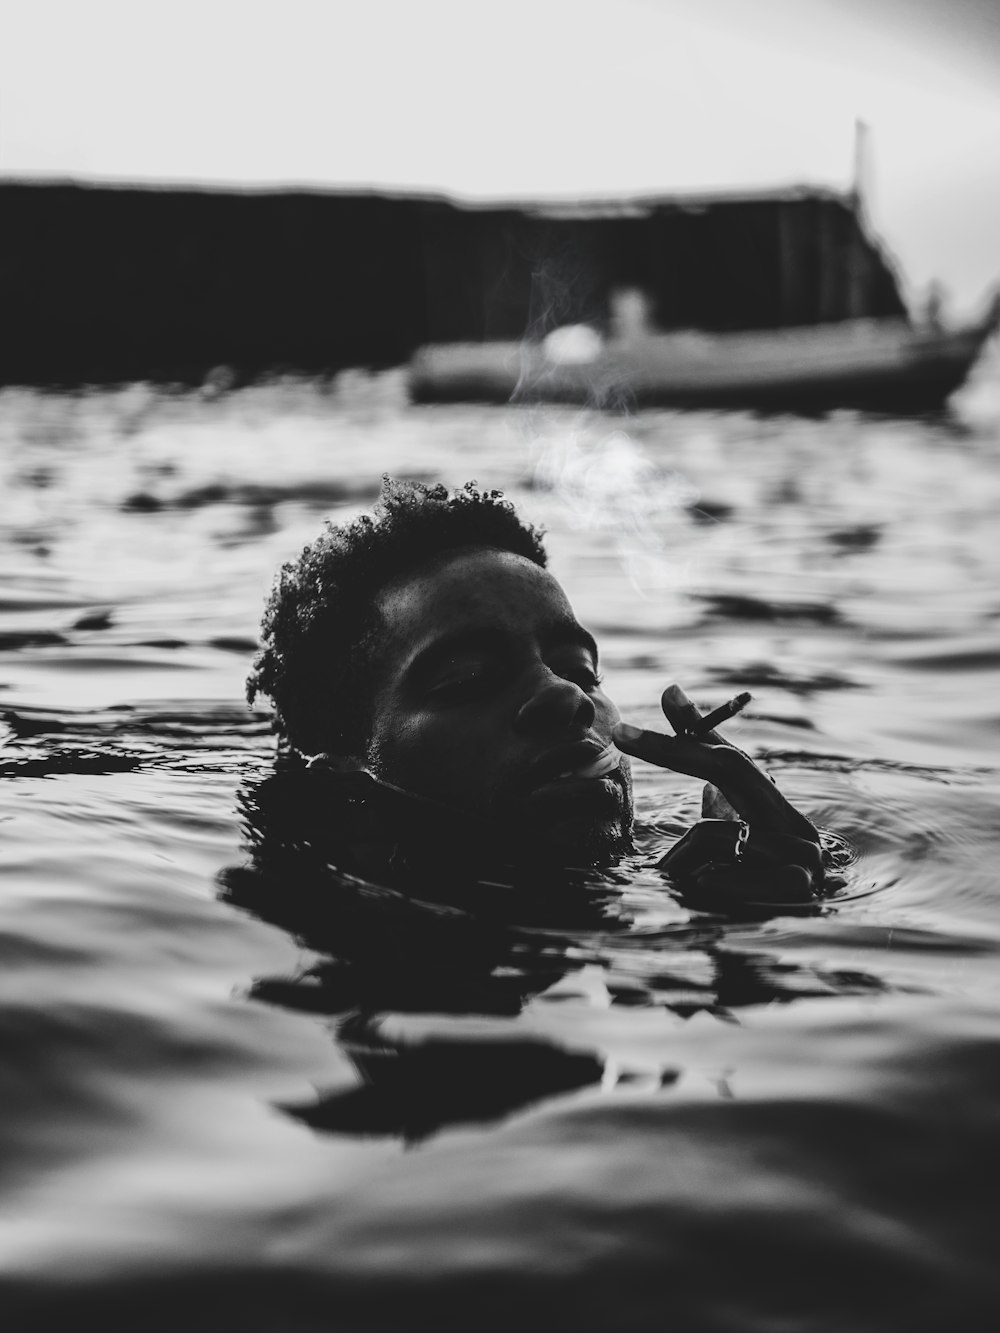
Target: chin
576, 842
585, 823
581, 836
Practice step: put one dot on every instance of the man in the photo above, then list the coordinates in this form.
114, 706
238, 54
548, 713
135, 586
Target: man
428, 647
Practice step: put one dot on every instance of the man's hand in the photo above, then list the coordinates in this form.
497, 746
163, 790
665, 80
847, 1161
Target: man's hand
762, 849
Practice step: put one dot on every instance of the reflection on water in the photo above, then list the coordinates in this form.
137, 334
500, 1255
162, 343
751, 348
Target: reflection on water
244, 1090
446, 944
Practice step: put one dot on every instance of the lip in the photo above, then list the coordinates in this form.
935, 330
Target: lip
583, 761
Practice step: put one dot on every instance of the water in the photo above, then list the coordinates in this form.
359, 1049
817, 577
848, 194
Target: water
216, 1116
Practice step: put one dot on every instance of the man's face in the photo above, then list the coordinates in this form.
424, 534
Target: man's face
487, 697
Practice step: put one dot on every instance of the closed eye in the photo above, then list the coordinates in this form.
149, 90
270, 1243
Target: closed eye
581, 673
463, 681
457, 688
588, 680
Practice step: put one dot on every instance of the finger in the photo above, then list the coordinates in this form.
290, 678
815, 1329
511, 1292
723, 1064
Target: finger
675, 752
732, 880
785, 849
723, 765
785, 884
678, 709
652, 746
709, 840
750, 791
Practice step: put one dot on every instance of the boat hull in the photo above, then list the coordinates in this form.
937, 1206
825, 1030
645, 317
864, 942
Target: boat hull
880, 365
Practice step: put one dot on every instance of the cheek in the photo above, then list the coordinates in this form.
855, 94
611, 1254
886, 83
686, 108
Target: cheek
607, 711
428, 756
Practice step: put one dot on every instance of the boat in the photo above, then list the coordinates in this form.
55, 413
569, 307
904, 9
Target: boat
773, 298
781, 300
889, 364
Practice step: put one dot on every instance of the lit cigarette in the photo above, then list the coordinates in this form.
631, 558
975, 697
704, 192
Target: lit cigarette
711, 720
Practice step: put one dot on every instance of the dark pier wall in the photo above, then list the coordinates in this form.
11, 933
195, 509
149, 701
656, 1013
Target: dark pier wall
113, 283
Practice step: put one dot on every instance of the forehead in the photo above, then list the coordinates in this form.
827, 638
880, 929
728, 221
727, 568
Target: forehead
471, 590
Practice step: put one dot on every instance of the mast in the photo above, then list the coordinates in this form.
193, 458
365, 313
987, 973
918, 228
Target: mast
857, 260
861, 180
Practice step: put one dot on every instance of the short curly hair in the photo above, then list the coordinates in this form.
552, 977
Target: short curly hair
321, 628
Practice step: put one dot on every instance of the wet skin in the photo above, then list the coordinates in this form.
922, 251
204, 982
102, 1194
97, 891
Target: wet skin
487, 697
754, 846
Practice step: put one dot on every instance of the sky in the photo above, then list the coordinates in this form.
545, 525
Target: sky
529, 99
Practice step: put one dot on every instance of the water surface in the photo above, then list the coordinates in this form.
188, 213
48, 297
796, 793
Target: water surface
217, 1116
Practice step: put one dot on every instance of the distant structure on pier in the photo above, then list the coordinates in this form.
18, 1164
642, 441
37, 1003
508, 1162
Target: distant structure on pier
102, 282
99, 283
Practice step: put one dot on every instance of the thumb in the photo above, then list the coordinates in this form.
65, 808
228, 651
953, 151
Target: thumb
716, 806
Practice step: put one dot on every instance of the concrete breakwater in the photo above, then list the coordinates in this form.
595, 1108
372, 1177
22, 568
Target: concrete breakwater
101, 283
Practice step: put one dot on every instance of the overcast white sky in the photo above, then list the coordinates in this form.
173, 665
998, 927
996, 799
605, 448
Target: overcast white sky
527, 98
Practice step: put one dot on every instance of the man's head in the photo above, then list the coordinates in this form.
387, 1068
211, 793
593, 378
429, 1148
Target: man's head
430, 645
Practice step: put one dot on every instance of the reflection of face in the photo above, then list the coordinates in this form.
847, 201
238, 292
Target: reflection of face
486, 696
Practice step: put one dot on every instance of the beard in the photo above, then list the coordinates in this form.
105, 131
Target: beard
583, 824
580, 824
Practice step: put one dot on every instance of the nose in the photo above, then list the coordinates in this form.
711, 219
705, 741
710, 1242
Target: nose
554, 705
